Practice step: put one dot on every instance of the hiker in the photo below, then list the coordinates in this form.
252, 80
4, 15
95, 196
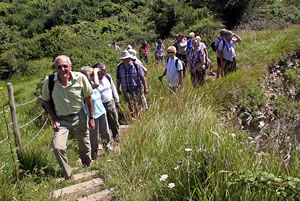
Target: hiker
226, 52
207, 60
173, 70
197, 63
64, 103
101, 123
220, 70
116, 47
134, 84
189, 42
159, 51
110, 99
143, 51
181, 45
135, 60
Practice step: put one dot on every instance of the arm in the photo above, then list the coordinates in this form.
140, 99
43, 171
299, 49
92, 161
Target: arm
115, 94
164, 73
144, 81
206, 53
180, 77
237, 37
118, 86
199, 65
96, 79
51, 112
89, 103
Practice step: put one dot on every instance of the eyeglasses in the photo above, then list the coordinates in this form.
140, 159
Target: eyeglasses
171, 52
60, 67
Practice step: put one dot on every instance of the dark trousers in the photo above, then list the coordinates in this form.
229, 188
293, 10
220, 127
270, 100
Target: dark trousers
198, 78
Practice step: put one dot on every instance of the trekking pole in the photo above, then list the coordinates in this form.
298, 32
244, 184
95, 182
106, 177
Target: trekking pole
162, 83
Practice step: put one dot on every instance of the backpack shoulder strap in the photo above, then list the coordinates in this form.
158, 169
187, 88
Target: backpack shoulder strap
108, 77
176, 63
136, 66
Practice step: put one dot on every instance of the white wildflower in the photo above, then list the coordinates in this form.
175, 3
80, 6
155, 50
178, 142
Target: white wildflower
233, 134
171, 185
188, 149
163, 177
176, 168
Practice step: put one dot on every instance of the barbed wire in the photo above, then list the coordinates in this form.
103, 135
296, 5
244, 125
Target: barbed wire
20, 105
27, 102
4, 111
32, 119
4, 140
3, 166
37, 133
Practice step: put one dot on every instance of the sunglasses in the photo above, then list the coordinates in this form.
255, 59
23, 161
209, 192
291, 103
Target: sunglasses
171, 52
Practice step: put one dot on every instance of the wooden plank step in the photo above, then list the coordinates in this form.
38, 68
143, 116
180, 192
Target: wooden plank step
77, 190
104, 195
80, 176
124, 128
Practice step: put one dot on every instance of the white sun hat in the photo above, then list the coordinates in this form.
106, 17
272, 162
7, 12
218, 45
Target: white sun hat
132, 52
125, 54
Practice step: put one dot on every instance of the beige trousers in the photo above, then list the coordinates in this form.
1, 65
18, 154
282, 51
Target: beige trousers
78, 125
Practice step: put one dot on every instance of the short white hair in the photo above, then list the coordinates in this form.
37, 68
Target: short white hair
63, 57
192, 34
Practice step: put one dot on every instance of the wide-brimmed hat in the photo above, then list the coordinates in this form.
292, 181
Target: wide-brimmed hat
125, 55
132, 52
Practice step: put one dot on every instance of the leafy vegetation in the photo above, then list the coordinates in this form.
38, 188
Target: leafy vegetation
180, 135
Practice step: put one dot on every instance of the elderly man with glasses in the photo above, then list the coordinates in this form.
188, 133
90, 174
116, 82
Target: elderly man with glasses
65, 105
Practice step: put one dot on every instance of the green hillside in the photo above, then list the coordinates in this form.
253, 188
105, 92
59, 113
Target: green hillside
196, 137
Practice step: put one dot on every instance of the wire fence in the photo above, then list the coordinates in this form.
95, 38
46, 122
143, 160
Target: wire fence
26, 124
6, 110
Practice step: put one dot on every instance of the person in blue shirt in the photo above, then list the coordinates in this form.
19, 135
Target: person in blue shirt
226, 52
101, 123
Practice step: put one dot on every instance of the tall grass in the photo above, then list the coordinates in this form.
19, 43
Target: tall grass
221, 158
180, 135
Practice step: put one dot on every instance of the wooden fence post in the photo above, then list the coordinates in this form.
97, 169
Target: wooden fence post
14, 120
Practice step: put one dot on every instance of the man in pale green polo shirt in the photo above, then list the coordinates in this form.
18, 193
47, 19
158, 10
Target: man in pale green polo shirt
68, 114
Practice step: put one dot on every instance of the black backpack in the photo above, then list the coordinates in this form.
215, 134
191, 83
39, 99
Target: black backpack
213, 46
50, 87
176, 64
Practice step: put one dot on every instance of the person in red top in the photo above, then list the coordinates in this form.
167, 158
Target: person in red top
143, 51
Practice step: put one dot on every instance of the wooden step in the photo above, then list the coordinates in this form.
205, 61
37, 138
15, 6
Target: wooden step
79, 190
80, 176
104, 195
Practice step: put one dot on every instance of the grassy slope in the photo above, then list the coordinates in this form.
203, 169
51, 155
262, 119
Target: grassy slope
156, 144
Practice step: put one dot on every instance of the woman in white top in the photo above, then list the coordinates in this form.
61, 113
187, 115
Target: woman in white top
110, 99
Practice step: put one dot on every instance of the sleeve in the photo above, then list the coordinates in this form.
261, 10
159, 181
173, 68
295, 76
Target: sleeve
87, 89
114, 90
179, 66
140, 70
45, 91
220, 47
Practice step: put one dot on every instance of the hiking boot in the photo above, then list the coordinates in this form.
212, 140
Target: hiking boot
69, 178
211, 73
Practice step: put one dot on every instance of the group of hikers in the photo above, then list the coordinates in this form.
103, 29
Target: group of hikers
86, 102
